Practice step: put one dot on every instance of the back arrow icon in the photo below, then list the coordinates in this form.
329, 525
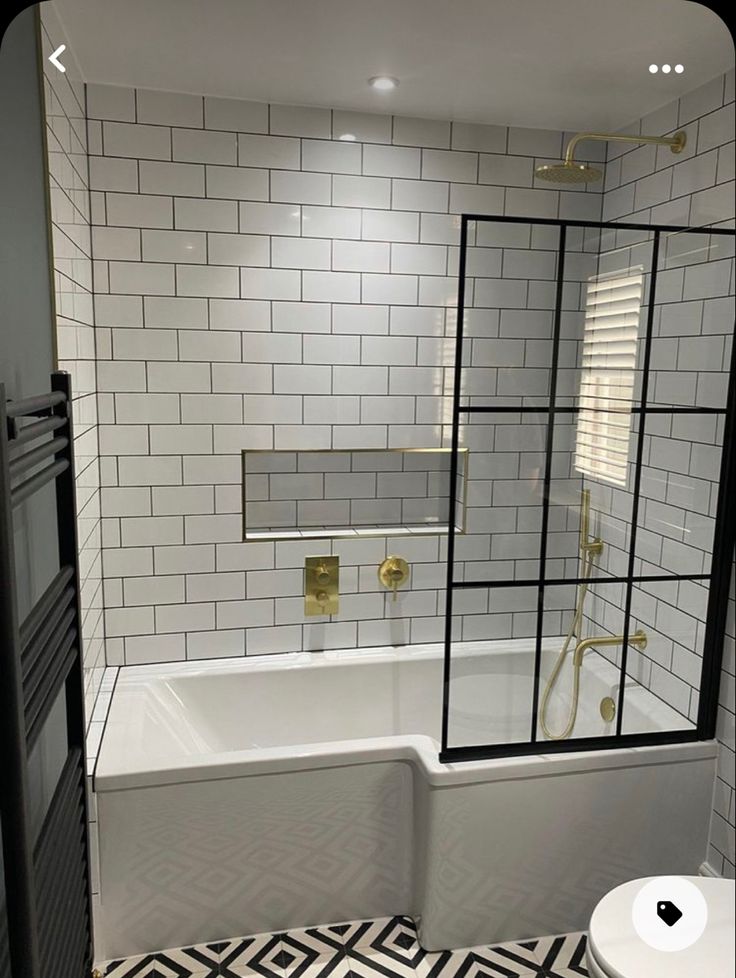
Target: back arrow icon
54, 58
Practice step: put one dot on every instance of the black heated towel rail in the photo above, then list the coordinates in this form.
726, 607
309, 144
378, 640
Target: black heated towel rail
46, 930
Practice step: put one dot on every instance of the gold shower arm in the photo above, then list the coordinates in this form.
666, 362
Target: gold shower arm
676, 143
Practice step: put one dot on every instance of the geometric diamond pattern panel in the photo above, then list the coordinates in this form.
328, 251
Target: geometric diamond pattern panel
384, 948
317, 849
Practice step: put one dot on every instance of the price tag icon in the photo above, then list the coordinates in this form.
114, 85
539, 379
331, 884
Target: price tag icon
668, 912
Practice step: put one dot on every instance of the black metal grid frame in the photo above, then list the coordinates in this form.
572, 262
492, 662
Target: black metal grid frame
724, 531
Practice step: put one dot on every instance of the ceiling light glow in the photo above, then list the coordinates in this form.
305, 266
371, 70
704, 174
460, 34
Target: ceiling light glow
666, 69
679, 69
383, 83
654, 69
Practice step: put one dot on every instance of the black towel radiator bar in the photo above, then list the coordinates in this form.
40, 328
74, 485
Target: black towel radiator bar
47, 882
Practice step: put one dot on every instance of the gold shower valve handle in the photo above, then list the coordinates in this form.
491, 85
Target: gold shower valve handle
393, 573
323, 575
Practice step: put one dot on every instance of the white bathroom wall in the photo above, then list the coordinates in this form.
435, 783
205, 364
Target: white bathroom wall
66, 140
261, 283
694, 323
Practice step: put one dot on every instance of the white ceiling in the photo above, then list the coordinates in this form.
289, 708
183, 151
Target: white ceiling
556, 64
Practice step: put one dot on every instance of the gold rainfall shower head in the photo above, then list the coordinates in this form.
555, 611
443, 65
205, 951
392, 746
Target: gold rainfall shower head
572, 172
568, 172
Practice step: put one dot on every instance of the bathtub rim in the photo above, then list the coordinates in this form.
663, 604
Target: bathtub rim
422, 751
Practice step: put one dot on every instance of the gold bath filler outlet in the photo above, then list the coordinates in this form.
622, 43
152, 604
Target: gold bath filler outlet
321, 585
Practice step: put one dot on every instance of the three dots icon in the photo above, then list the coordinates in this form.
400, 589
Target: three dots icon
666, 69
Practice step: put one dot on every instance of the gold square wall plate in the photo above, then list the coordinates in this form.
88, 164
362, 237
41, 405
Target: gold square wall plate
321, 585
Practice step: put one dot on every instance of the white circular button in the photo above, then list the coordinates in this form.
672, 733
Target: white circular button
669, 913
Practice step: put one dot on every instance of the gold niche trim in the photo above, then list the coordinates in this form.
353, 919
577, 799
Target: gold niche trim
335, 533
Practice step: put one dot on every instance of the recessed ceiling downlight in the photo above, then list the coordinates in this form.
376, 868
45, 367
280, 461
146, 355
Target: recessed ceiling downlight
383, 83
654, 69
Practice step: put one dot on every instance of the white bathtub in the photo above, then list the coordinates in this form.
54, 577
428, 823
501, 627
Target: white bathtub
236, 797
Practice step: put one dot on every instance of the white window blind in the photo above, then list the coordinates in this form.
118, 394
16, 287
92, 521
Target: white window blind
612, 314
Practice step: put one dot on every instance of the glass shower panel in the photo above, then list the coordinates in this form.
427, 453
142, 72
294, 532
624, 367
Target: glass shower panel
505, 496
693, 325
662, 681
590, 515
564, 495
492, 679
602, 344
593, 474
680, 474
580, 263
509, 314
580, 667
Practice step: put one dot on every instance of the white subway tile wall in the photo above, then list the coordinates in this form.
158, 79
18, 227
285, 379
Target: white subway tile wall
690, 355
266, 285
68, 174
260, 283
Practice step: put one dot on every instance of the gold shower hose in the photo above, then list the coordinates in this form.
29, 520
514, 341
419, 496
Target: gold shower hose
588, 558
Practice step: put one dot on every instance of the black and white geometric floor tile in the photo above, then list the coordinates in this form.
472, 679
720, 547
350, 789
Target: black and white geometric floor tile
546, 957
564, 953
385, 948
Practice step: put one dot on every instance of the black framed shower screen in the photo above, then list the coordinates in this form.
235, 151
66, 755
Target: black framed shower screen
662, 272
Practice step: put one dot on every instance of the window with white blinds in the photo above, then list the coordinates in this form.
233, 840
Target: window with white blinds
612, 314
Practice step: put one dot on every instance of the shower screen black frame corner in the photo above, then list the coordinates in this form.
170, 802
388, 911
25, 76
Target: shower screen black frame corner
718, 579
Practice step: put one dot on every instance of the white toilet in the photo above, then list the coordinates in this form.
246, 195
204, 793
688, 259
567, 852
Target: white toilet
615, 950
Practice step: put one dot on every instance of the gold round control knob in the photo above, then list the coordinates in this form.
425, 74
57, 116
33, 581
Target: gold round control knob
393, 573
608, 709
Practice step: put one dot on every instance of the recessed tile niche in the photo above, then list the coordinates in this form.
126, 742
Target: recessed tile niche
290, 495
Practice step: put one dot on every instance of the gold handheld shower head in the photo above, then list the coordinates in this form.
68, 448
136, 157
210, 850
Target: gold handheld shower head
572, 172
